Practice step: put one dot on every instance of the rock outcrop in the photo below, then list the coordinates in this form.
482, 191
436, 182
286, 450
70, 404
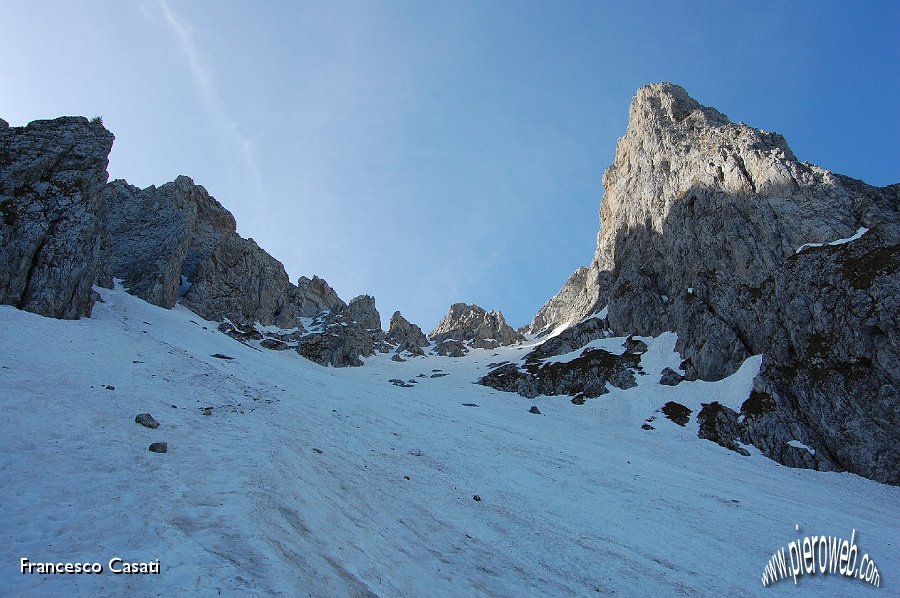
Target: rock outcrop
243, 283
362, 309
177, 237
450, 348
475, 327
714, 230
317, 296
52, 174
343, 342
584, 376
159, 234
694, 206
405, 336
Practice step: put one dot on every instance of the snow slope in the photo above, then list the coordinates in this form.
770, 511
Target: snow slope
318, 481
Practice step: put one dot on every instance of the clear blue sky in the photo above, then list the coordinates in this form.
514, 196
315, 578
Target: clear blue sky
430, 152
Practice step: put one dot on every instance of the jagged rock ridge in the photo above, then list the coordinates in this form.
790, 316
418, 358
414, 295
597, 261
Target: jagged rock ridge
65, 229
471, 326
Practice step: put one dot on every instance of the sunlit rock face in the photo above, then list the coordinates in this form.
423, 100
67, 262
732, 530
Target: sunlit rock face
714, 230
475, 327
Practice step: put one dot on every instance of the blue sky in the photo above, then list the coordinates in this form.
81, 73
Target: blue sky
430, 152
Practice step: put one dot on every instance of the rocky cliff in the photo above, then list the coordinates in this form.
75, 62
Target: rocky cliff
65, 229
52, 175
714, 230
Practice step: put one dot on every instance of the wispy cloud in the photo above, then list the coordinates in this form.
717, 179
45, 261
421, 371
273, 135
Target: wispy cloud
213, 103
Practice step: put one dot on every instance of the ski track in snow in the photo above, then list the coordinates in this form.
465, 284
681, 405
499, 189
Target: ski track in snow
578, 501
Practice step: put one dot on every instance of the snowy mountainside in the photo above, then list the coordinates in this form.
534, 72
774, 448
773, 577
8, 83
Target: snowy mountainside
307, 480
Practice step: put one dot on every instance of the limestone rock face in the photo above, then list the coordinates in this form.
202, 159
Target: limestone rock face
405, 335
362, 310
317, 296
695, 206
832, 365
478, 328
52, 173
157, 235
714, 230
578, 298
243, 283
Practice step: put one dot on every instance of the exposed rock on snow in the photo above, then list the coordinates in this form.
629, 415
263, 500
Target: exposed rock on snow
401, 383
450, 348
146, 420
52, 173
405, 335
572, 338
634, 345
677, 412
586, 375
720, 424
669, 377
159, 447
343, 343
476, 327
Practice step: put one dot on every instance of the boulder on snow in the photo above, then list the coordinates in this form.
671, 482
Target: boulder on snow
636, 346
720, 424
669, 377
677, 412
146, 420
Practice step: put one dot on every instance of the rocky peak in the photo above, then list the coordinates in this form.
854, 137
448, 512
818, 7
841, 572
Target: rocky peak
362, 310
686, 172
661, 105
714, 230
405, 335
479, 328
